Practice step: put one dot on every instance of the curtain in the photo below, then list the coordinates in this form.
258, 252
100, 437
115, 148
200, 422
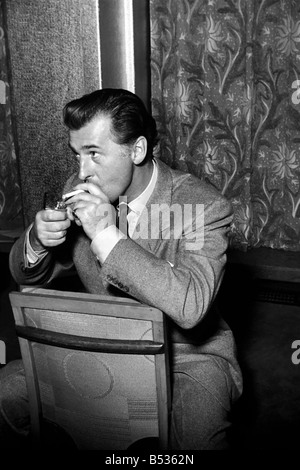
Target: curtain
225, 79
11, 218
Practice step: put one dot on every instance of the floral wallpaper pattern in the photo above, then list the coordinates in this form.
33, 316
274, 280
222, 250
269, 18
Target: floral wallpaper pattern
10, 199
226, 96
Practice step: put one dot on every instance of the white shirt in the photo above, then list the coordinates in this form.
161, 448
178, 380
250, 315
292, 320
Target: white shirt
32, 255
104, 241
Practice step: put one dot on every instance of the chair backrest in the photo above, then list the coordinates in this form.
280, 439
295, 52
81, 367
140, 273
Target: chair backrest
96, 366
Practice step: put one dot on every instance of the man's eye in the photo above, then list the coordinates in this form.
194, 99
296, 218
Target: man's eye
94, 155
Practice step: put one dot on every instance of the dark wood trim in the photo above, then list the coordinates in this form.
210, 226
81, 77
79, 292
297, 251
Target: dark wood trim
267, 263
83, 343
142, 50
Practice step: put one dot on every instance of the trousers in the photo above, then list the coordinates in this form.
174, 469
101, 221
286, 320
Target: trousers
200, 415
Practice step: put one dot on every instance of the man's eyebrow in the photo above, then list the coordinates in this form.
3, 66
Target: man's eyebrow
85, 147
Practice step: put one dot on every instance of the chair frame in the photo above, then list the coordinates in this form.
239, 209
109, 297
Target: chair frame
81, 303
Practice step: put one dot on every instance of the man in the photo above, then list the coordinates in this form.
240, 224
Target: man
176, 266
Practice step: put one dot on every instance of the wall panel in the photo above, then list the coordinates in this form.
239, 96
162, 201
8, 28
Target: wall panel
54, 58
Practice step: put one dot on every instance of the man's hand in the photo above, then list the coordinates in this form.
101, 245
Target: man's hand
49, 229
91, 209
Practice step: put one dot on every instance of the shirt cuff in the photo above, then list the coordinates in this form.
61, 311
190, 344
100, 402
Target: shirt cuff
104, 242
33, 257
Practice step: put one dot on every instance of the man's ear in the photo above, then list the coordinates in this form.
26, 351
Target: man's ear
139, 150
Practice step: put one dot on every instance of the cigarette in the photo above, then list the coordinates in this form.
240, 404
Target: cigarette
72, 193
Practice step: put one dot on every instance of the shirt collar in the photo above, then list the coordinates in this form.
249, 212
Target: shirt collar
137, 205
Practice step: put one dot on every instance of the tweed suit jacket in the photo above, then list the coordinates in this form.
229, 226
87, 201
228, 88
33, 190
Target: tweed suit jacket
166, 271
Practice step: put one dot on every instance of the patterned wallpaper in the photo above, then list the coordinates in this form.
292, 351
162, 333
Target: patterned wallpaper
225, 81
11, 218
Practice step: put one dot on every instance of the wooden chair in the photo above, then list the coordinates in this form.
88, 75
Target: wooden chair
96, 367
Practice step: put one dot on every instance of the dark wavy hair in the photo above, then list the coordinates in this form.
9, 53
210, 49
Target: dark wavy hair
129, 116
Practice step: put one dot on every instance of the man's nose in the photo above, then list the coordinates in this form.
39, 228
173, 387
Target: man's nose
84, 170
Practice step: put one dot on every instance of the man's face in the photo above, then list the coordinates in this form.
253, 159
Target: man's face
102, 161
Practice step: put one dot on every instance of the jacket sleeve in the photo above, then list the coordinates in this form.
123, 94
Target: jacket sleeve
180, 281
52, 265
43, 272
